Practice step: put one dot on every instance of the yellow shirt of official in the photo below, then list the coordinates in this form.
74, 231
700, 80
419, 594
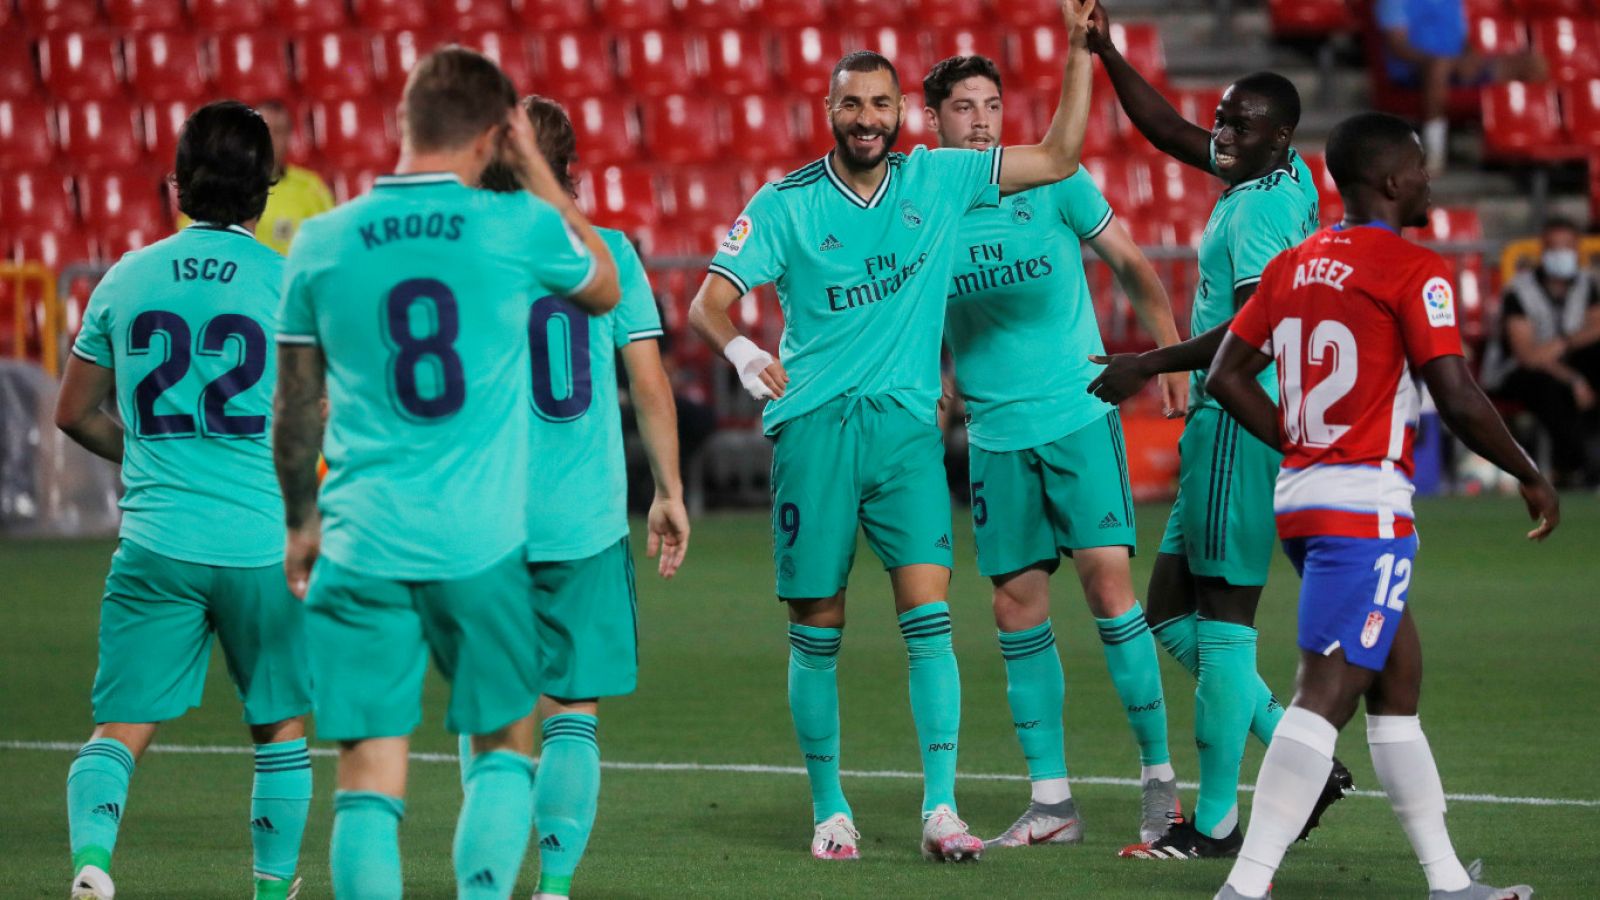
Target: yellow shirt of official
298, 195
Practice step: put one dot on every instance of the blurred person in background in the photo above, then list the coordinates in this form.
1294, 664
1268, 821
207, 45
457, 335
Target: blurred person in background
1545, 353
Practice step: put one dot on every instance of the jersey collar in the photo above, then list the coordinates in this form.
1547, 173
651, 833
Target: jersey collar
415, 179
850, 192
1339, 226
1288, 166
232, 229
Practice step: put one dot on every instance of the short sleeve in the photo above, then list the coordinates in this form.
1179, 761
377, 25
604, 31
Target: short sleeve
636, 317
297, 319
1391, 14
754, 252
1081, 205
1427, 313
561, 262
1510, 304
93, 343
973, 174
1253, 322
1265, 225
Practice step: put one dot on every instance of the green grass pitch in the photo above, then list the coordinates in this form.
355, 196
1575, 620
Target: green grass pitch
1509, 630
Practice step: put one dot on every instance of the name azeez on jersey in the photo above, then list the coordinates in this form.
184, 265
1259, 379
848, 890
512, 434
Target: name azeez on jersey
1322, 270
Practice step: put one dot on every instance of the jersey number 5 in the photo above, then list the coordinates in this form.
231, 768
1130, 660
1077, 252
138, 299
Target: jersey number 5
1305, 412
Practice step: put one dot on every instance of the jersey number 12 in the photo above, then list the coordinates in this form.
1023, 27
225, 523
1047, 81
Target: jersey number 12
1305, 412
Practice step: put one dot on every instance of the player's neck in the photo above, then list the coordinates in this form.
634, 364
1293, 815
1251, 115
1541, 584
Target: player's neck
1385, 214
863, 182
462, 164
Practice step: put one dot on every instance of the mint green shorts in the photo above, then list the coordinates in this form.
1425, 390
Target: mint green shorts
1222, 520
156, 622
862, 462
1030, 506
370, 639
587, 616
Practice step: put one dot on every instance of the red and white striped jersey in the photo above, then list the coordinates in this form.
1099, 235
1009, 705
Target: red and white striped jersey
1350, 315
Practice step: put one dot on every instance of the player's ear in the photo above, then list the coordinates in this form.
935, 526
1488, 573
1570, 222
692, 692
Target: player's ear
930, 117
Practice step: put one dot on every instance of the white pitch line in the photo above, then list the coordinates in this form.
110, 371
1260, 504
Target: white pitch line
755, 769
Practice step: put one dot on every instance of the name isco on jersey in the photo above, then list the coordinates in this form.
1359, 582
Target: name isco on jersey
987, 278
885, 277
415, 225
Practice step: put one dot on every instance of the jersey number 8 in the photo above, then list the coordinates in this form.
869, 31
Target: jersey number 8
434, 351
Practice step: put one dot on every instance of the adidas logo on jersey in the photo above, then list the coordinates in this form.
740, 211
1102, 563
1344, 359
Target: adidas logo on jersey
550, 842
1110, 521
114, 810
831, 243
481, 878
262, 823
943, 543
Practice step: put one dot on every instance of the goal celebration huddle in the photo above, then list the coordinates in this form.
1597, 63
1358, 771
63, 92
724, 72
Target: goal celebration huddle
402, 444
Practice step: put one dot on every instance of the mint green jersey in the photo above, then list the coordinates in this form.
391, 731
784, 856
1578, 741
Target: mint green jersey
418, 294
1252, 222
1021, 323
579, 504
186, 324
861, 280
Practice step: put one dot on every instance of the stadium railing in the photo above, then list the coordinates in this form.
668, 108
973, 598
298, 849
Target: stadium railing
35, 310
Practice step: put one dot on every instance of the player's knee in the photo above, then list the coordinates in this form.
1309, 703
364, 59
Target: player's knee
827, 612
136, 736
289, 729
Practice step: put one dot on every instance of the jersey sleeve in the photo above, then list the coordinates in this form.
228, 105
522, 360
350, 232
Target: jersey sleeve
1253, 321
1081, 205
1266, 224
636, 317
1426, 310
1510, 304
755, 250
93, 343
973, 174
561, 262
297, 320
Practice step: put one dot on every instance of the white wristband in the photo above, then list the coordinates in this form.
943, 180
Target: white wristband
749, 361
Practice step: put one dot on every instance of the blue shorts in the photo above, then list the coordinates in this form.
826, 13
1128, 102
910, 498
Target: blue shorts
1352, 594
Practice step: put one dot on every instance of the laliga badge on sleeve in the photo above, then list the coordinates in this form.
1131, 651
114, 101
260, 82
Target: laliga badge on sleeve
1440, 300
733, 244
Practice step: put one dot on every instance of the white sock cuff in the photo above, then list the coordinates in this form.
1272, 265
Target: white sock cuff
1393, 729
1306, 727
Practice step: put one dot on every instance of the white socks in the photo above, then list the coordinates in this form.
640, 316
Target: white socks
1405, 767
1158, 772
1049, 791
1292, 776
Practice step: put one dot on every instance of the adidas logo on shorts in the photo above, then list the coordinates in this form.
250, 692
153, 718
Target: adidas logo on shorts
943, 543
1111, 521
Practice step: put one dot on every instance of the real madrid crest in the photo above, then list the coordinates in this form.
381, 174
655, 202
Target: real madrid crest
909, 216
1021, 210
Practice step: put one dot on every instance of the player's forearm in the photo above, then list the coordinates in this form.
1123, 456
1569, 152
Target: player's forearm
96, 432
1150, 112
708, 314
1185, 356
1150, 302
1064, 139
657, 414
297, 431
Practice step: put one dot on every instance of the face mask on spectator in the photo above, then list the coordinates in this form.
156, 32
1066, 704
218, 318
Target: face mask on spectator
1560, 263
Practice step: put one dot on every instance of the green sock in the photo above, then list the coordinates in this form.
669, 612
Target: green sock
814, 704
279, 801
565, 795
365, 851
496, 818
464, 754
1183, 643
935, 699
1036, 691
1136, 674
97, 793
1224, 702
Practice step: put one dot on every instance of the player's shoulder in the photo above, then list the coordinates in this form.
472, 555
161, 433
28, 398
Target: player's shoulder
620, 245
794, 183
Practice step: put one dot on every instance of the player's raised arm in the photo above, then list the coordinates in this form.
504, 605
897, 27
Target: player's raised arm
296, 443
1150, 112
1150, 303
1057, 156
79, 412
760, 374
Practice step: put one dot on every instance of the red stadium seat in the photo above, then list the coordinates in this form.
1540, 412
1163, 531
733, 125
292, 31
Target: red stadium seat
1182, 189
607, 129
1104, 135
97, 135
43, 16
165, 65
634, 14
1311, 18
32, 199
113, 200
806, 57
1575, 8
1450, 224
1495, 35
161, 124
1021, 14
334, 65
355, 133
227, 15
509, 51
1327, 190
903, 46
251, 66
1520, 121
18, 78
1140, 44
547, 15
1580, 103
79, 65
394, 53
1476, 8
1570, 45
141, 15
913, 128
657, 62
391, 15
574, 63
1124, 180
708, 192
762, 129
1023, 121
55, 248
619, 197
472, 15
1198, 105
307, 15
114, 243
736, 62
949, 13
25, 134
953, 41
1038, 56
348, 184
869, 13
795, 13
725, 13
681, 128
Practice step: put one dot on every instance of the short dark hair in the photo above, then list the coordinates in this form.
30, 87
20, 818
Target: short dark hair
1364, 148
1283, 100
452, 95
224, 165
1560, 223
863, 61
947, 73
558, 144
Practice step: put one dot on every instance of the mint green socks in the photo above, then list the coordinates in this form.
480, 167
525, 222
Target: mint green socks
365, 851
279, 801
496, 818
1224, 703
1036, 691
565, 795
97, 794
1136, 674
1179, 637
814, 704
935, 699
